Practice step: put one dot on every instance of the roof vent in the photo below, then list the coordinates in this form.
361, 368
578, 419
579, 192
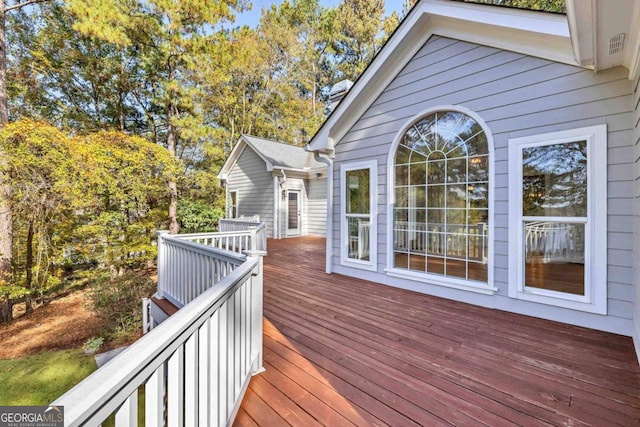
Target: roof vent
338, 91
616, 43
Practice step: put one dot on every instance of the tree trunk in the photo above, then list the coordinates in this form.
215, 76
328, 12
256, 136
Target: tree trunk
6, 309
174, 227
29, 268
6, 217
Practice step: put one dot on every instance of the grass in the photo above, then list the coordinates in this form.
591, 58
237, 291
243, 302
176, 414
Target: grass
42, 378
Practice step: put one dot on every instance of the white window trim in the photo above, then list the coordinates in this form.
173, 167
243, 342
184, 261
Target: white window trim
230, 206
372, 264
435, 279
595, 299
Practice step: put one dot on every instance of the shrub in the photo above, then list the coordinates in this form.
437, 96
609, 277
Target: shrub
117, 302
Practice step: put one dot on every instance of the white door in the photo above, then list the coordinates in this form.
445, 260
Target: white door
294, 213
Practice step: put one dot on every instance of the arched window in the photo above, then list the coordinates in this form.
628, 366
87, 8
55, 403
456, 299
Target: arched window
441, 210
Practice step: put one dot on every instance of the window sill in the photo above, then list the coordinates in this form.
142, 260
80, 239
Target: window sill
463, 285
564, 301
369, 266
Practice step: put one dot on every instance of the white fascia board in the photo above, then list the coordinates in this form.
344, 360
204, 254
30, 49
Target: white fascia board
580, 16
232, 159
532, 33
518, 19
632, 56
541, 45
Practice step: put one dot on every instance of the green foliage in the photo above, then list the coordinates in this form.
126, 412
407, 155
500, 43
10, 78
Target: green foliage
117, 302
42, 378
198, 217
92, 345
94, 199
557, 6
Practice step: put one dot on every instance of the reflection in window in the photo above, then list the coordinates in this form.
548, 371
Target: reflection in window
358, 213
233, 205
441, 210
554, 185
555, 180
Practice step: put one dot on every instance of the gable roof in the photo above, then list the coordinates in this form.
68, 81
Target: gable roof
276, 155
546, 35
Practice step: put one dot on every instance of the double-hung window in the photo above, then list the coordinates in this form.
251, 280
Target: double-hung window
358, 211
232, 205
558, 208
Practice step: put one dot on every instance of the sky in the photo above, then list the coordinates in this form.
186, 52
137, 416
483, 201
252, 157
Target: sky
252, 17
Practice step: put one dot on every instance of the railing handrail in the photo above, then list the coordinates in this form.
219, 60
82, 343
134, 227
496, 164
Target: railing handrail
100, 394
223, 254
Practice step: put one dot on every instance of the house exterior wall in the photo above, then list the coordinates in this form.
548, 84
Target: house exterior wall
249, 177
316, 209
636, 175
516, 95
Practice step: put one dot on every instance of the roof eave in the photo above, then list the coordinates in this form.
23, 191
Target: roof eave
532, 33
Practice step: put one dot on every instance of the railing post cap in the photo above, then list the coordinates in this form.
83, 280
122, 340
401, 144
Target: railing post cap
255, 253
162, 232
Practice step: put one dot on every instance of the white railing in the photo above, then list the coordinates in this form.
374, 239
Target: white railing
456, 240
246, 225
186, 267
359, 245
193, 368
553, 242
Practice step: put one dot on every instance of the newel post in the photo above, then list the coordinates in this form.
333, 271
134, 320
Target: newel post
257, 295
162, 263
253, 237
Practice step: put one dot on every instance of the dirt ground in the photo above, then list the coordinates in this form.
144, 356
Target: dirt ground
61, 324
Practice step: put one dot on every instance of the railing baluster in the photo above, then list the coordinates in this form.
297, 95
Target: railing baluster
204, 366
223, 346
154, 398
175, 389
127, 415
214, 369
191, 368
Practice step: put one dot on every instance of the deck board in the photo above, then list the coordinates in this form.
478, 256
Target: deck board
344, 351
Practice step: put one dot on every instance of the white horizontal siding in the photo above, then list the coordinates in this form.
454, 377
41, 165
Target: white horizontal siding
316, 208
636, 220
249, 177
517, 96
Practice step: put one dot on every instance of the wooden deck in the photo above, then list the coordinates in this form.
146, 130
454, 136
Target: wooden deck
342, 351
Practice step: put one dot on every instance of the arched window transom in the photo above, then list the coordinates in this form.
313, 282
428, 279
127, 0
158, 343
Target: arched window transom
441, 211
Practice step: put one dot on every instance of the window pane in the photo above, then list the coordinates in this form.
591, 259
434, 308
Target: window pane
402, 175
402, 197
555, 180
478, 195
435, 196
418, 173
457, 242
554, 256
402, 155
435, 217
456, 217
436, 170
457, 196
292, 213
479, 169
457, 170
418, 197
358, 191
435, 265
358, 234
477, 145
456, 268
478, 271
